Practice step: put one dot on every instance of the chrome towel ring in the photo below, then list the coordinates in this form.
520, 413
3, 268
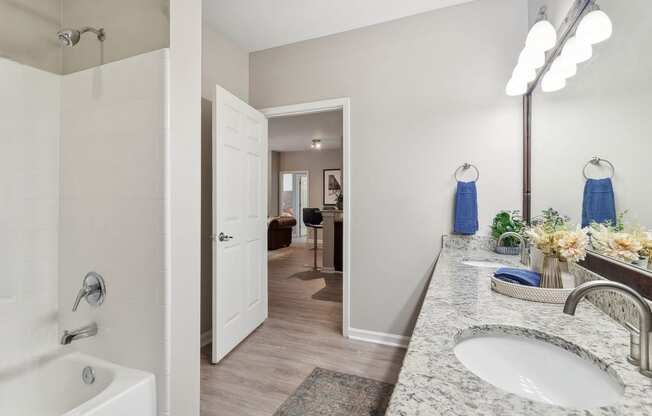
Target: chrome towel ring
597, 161
466, 167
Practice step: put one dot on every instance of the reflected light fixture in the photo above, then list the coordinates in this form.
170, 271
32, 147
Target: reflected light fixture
542, 36
316, 144
577, 50
595, 27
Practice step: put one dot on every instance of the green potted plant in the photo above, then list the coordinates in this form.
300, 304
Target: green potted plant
508, 221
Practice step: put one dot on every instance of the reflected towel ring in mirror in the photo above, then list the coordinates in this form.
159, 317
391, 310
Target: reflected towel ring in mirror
464, 168
597, 161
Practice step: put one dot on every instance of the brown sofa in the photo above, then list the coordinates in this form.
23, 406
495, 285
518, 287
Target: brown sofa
279, 232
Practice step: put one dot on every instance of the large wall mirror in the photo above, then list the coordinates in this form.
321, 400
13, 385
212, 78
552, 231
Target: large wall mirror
594, 136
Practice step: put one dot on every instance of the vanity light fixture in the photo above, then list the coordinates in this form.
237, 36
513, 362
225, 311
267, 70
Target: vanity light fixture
564, 67
553, 81
532, 57
543, 35
595, 27
316, 144
523, 73
541, 38
577, 50
515, 88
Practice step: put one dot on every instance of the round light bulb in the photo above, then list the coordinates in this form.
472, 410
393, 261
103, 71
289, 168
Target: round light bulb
533, 58
577, 50
552, 81
515, 87
595, 27
524, 73
564, 67
542, 36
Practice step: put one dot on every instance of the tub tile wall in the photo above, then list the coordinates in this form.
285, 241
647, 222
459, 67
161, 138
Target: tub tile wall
114, 128
29, 210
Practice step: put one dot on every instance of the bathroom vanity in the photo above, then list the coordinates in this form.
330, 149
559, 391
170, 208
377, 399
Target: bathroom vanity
585, 355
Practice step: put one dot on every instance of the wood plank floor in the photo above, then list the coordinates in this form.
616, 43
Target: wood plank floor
303, 332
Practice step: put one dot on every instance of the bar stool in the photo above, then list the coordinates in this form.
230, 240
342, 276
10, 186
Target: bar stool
312, 218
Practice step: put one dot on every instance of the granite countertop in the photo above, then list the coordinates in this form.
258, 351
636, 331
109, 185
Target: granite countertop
433, 382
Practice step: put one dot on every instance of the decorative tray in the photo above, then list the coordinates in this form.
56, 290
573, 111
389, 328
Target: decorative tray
531, 293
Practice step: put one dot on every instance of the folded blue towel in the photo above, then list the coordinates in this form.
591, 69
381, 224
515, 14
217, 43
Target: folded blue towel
466, 209
599, 203
518, 276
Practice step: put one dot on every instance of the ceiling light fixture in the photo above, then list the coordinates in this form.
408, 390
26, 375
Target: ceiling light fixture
316, 144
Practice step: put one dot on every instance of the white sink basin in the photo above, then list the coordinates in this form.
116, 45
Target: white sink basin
483, 264
538, 371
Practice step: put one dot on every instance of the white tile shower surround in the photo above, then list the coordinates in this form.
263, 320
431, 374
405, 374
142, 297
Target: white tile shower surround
83, 157
29, 211
113, 137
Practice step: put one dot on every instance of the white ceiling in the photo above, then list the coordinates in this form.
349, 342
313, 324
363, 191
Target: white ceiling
295, 134
263, 24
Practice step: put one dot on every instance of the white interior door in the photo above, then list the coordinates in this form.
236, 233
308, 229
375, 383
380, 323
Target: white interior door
240, 221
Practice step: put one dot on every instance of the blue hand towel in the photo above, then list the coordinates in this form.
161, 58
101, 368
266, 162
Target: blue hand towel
599, 202
466, 209
518, 276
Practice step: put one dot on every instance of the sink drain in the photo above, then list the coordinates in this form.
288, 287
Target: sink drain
88, 375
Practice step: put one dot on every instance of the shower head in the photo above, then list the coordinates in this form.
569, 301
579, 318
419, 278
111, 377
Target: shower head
70, 37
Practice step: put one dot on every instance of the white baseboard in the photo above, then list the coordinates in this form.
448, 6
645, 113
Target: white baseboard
379, 337
206, 338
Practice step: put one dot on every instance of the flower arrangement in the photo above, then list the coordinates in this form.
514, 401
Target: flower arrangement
552, 234
561, 242
624, 243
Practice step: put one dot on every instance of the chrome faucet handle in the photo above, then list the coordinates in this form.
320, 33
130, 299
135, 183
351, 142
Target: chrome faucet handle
93, 290
634, 356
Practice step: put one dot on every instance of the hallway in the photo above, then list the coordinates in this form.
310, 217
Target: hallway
303, 331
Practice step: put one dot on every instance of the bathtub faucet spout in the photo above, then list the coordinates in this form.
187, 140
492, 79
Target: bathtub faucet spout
83, 332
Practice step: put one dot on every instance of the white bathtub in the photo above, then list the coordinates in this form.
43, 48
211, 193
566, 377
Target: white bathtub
55, 387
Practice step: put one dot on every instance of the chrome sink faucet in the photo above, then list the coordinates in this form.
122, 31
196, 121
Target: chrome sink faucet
83, 332
644, 312
525, 249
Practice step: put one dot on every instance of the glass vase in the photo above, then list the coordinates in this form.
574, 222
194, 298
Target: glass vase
551, 273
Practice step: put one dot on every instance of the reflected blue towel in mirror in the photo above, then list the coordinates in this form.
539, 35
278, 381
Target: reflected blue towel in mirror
466, 209
599, 203
518, 276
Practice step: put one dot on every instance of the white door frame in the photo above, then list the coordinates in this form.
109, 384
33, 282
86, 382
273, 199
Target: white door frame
343, 104
280, 179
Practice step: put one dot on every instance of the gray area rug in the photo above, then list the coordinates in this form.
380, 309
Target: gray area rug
331, 393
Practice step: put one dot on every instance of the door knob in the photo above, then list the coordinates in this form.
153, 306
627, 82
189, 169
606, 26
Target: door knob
224, 237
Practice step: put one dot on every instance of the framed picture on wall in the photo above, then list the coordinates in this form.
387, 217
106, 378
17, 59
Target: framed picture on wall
332, 186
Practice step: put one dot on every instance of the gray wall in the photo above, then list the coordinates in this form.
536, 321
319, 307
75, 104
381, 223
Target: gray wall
427, 94
314, 162
224, 64
28, 31
273, 197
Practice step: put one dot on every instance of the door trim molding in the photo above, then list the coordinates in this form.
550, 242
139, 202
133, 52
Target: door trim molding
343, 104
382, 338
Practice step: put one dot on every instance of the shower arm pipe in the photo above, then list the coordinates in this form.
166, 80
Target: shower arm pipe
101, 35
